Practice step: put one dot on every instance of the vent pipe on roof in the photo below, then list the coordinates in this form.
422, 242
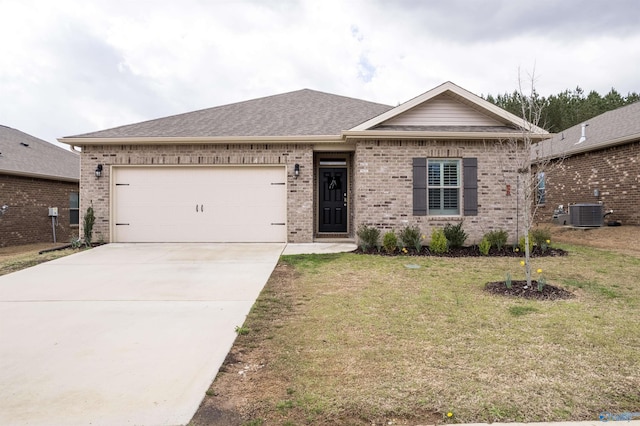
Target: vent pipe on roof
583, 137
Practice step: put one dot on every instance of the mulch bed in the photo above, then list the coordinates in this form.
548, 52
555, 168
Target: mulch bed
519, 289
473, 251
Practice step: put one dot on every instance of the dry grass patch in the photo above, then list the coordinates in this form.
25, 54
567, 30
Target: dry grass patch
356, 339
15, 258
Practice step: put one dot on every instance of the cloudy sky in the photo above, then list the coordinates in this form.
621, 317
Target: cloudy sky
75, 66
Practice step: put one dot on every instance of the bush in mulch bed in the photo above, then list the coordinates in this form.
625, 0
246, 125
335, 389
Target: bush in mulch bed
472, 251
519, 289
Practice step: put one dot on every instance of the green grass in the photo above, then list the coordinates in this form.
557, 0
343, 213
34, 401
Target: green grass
518, 311
364, 337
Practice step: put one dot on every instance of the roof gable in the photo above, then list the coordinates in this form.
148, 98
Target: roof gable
300, 113
23, 154
448, 106
442, 110
612, 128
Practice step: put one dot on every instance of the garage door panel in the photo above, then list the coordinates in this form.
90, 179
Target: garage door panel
199, 204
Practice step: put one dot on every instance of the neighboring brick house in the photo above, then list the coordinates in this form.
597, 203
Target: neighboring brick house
303, 166
597, 161
36, 175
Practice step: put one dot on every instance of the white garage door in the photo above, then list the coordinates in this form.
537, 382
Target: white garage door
199, 204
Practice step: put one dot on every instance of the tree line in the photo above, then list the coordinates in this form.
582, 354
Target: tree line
566, 109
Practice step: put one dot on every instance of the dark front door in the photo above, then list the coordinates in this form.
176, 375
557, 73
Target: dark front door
333, 200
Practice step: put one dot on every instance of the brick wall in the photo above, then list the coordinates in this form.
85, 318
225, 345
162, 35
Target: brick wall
383, 186
615, 172
27, 220
300, 191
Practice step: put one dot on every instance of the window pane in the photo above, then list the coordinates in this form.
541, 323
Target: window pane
74, 208
434, 174
74, 217
450, 171
450, 199
434, 199
74, 200
541, 188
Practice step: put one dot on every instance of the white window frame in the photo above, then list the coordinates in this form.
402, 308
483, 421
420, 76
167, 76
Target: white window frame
444, 185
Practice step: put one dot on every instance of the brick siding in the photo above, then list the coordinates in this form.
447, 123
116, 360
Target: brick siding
614, 171
383, 186
27, 220
299, 191
380, 175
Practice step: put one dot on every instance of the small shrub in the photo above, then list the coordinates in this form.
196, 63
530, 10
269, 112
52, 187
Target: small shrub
521, 244
541, 283
455, 235
76, 243
542, 238
439, 242
390, 242
368, 237
507, 280
410, 236
89, 220
497, 238
540, 235
484, 246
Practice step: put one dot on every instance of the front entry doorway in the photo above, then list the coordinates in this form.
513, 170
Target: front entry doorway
332, 203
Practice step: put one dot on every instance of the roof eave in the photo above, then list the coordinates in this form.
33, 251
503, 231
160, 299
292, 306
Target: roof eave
180, 140
369, 134
609, 144
40, 176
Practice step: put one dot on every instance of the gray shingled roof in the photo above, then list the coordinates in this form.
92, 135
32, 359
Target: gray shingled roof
611, 128
23, 154
303, 112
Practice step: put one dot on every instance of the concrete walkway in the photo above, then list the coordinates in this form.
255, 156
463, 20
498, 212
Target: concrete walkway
318, 248
126, 333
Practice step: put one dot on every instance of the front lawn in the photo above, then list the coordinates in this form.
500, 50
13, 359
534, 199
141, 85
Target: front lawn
358, 339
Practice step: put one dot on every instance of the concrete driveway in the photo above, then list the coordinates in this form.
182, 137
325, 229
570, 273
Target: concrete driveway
124, 333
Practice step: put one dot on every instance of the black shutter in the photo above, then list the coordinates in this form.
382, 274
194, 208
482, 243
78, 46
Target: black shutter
419, 186
470, 175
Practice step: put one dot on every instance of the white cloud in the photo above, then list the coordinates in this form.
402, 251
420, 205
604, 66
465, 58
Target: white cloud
74, 66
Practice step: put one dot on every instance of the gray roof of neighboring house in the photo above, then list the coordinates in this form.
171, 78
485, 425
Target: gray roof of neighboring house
23, 154
303, 112
612, 128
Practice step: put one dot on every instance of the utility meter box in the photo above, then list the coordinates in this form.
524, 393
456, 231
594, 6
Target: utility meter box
53, 211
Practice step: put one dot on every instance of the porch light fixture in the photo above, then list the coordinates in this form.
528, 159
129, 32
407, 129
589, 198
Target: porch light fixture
296, 170
99, 170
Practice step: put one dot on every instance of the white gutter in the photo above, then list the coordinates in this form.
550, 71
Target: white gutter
181, 140
368, 134
40, 176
